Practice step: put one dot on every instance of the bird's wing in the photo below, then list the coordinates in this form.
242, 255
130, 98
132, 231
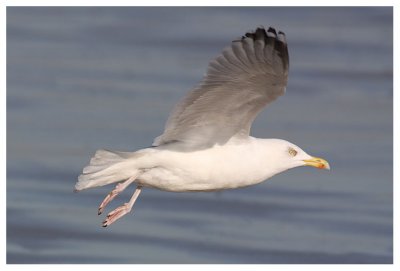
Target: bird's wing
249, 74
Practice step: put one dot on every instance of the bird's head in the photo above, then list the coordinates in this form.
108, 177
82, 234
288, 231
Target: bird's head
290, 156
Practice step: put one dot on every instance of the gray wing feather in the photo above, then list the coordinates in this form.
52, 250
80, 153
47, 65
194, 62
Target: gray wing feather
239, 83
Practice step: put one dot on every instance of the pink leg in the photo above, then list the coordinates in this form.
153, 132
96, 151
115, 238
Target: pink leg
123, 209
118, 189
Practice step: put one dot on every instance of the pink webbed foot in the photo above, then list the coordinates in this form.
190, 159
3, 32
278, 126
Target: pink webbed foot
118, 189
122, 210
116, 214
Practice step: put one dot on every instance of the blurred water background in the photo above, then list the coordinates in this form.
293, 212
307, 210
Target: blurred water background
84, 78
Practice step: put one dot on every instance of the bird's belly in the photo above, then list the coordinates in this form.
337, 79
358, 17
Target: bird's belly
193, 172
175, 180
183, 181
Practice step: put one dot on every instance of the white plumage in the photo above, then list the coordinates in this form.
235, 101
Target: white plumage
206, 144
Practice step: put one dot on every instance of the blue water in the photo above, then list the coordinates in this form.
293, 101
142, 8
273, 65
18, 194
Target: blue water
81, 79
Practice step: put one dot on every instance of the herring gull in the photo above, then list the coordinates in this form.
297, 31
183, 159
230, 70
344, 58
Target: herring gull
206, 144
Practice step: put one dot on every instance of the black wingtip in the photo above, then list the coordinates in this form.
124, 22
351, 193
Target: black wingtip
271, 38
260, 33
268, 36
272, 30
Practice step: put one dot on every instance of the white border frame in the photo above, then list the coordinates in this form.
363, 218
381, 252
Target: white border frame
3, 144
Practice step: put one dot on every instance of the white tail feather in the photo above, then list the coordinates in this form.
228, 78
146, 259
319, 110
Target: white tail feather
107, 167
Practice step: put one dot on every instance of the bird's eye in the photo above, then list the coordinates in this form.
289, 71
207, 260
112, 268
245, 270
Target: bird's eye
292, 151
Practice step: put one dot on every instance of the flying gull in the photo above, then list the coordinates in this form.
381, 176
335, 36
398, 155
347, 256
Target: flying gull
206, 144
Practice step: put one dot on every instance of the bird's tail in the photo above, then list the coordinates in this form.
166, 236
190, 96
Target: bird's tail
107, 167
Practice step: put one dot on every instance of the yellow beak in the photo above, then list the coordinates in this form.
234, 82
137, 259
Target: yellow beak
317, 162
